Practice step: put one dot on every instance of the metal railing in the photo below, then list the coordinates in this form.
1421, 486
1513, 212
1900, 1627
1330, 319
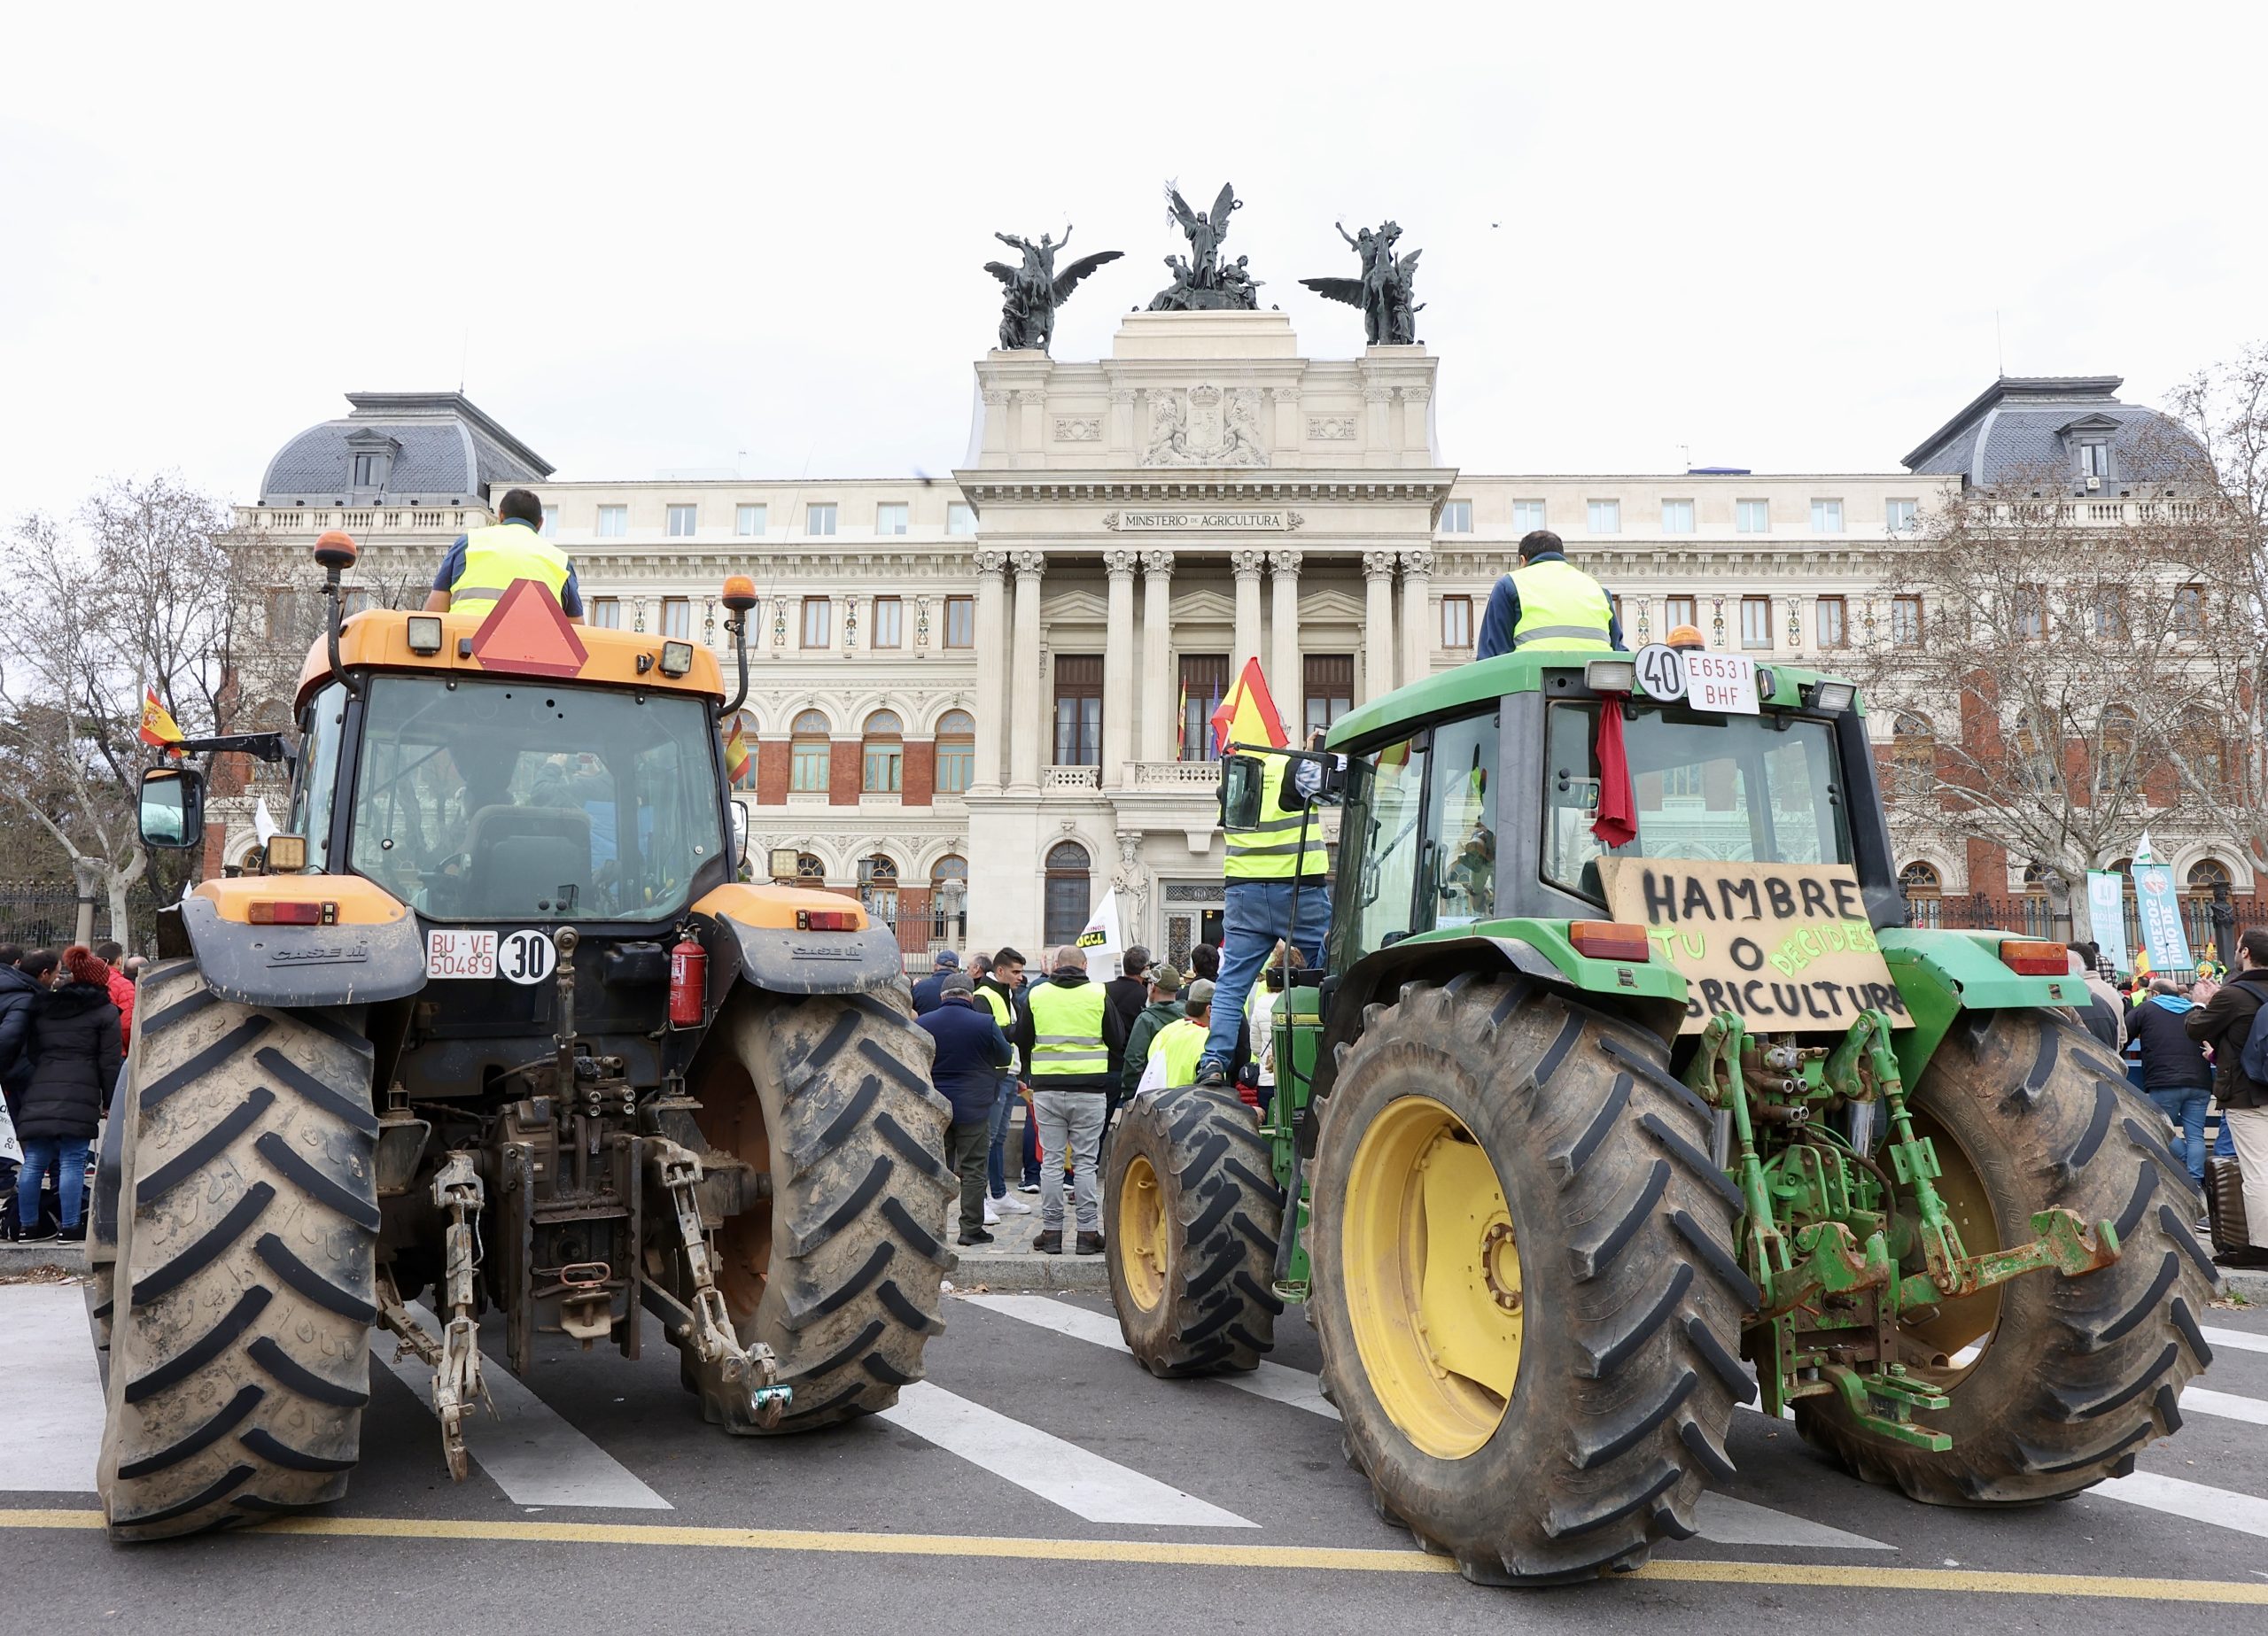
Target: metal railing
2029, 914
44, 914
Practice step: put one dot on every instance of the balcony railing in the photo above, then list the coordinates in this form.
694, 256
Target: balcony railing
1175, 774
1074, 777
382, 519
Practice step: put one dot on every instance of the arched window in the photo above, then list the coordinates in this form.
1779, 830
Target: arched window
810, 870
949, 900
956, 752
1924, 891
878, 887
884, 744
746, 722
2206, 873
807, 766
1069, 882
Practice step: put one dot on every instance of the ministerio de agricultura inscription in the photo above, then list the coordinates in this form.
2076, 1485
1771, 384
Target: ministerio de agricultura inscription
1211, 522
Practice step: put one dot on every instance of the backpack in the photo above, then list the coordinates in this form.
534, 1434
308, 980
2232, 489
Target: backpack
2252, 1062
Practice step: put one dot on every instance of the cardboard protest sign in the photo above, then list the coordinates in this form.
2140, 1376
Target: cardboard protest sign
1783, 947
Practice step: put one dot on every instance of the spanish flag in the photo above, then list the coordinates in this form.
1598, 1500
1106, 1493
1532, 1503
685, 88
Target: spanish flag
736, 754
1248, 716
158, 728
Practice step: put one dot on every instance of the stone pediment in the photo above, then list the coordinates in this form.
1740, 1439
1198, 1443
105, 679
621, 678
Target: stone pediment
1077, 608
1203, 605
1329, 604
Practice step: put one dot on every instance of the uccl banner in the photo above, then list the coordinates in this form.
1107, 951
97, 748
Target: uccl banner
2107, 908
2161, 931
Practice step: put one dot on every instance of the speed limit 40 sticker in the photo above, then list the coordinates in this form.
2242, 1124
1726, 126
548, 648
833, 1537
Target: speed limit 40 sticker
518, 956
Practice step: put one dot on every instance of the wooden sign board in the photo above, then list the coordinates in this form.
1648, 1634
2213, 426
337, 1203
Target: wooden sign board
1787, 948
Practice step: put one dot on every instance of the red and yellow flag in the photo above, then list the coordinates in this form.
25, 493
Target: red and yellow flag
1248, 716
736, 754
158, 728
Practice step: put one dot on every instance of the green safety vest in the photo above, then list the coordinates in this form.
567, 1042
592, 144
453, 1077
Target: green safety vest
1561, 607
1182, 1044
494, 557
1067, 1030
1270, 850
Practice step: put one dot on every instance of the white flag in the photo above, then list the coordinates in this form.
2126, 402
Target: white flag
262, 824
1104, 942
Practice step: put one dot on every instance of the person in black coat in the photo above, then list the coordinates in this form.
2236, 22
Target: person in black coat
929, 993
74, 1060
972, 1053
19, 995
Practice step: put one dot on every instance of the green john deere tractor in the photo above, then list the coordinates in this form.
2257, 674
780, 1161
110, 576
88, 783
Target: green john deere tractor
1590, 1143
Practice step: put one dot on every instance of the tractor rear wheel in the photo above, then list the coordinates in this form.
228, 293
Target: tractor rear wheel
246, 1220
2056, 1383
840, 1272
1525, 1286
1193, 1213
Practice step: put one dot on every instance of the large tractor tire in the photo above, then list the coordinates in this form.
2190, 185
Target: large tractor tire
1525, 1286
2056, 1383
246, 1220
1194, 1213
840, 1274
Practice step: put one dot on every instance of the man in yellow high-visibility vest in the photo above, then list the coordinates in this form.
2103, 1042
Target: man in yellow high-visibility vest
1279, 860
482, 565
1175, 1049
1547, 601
1068, 1033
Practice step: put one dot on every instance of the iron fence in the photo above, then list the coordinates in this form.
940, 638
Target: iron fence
44, 914
2029, 914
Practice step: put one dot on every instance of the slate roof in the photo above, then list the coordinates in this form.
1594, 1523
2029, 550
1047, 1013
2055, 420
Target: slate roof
2022, 427
444, 449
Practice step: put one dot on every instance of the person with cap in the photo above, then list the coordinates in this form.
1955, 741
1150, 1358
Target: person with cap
997, 988
1176, 1048
972, 1053
1547, 601
482, 565
1163, 1010
928, 994
1067, 1031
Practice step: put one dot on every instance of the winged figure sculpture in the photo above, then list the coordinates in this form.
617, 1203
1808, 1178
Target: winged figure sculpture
1201, 280
1035, 288
1383, 291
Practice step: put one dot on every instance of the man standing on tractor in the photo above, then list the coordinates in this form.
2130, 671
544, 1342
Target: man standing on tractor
1549, 601
1067, 1034
483, 564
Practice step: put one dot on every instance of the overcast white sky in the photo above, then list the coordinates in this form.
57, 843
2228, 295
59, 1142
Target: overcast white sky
654, 235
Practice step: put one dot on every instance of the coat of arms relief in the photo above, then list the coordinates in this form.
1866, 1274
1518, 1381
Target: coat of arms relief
1204, 426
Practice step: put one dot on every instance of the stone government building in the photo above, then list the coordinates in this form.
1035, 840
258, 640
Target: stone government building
977, 703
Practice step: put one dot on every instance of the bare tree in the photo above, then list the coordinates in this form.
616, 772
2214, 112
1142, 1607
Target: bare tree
139, 591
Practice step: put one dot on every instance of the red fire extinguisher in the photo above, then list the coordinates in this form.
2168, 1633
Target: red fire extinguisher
689, 983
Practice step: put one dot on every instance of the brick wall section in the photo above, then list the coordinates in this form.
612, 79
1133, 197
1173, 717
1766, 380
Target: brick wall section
919, 778
913, 917
773, 756
1988, 868
843, 772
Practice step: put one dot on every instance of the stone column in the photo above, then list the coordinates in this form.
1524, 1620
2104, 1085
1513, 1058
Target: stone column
1417, 631
1118, 668
1378, 624
991, 668
1245, 565
1157, 655
1284, 677
1025, 709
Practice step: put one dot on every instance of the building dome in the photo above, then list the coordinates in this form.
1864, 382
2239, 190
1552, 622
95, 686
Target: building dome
400, 448
2058, 430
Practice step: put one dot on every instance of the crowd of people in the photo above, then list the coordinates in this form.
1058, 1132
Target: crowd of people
66, 1021
1071, 1051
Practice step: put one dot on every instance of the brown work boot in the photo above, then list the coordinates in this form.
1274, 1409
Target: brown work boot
1090, 1243
1049, 1243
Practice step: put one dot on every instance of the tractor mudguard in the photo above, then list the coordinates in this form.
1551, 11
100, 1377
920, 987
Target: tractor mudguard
371, 951
1940, 974
762, 935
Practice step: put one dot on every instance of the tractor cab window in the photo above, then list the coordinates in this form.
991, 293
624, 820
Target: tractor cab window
1379, 848
1745, 790
322, 730
1459, 859
515, 800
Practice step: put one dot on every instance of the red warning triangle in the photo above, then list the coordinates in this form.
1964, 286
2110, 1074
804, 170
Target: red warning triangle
527, 631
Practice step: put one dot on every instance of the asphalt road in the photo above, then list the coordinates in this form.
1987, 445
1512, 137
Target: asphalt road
1041, 1478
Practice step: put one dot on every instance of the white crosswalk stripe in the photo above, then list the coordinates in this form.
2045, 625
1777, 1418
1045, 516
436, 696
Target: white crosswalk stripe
1062, 1473
52, 1390
2193, 1501
526, 1449
2241, 1340
1720, 1517
2226, 1405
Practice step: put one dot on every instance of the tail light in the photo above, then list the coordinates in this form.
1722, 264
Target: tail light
2031, 959
826, 919
264, 911
1609, 940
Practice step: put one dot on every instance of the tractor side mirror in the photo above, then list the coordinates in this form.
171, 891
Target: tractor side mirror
173, 808
1240, 789
740, 829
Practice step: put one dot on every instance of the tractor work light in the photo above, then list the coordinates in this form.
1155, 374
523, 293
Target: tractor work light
1609, 940
425, 633
265, 911
287, 855
677, 658
1611, 676
2036, 959
1829, 698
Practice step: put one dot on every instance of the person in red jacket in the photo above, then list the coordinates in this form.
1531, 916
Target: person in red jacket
121, 990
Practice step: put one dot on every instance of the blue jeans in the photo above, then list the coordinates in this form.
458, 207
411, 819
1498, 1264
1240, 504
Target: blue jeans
1258, 912
2185, 1105
42, 1154
2223, 1144
996, 1151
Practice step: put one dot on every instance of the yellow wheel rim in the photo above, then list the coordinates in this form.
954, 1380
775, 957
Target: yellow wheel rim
1948, 1347
1431, 1270
1140, 1234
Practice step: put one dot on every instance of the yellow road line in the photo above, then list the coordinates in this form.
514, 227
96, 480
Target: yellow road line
1163, 1553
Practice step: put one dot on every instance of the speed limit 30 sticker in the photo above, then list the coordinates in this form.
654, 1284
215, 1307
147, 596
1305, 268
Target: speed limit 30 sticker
458, 952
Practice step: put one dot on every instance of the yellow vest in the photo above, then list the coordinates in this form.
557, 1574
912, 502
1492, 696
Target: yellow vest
494, 557
1270, 850
997, 1006
1561, 607
1067, 1030
1182, 1044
